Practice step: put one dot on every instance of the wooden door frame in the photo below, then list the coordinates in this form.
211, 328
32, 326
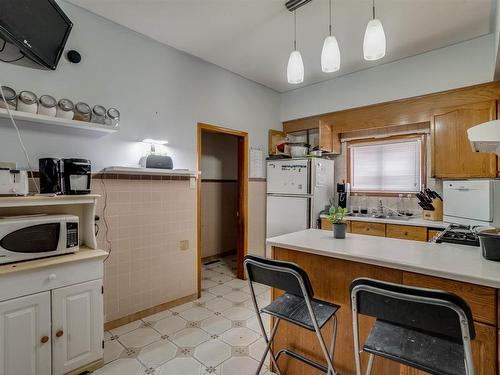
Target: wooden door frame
242, 194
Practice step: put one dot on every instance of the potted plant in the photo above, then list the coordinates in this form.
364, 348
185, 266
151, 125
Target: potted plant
336, 217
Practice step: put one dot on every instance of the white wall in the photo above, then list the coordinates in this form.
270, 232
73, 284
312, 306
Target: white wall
219, 156
160, 92
463, 64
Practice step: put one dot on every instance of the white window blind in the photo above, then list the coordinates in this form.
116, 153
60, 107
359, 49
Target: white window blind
386, 166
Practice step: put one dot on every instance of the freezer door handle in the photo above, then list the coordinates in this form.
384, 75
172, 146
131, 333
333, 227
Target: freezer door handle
290, 195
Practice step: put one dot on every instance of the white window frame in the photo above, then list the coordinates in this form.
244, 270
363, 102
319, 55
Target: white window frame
389, 140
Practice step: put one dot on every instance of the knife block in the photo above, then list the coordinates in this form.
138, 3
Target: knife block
437, 214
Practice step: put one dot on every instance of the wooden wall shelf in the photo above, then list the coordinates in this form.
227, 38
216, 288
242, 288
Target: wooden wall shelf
55, 124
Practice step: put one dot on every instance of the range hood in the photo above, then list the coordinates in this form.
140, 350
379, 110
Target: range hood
485, 137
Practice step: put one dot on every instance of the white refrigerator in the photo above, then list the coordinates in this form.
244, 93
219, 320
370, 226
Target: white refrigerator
297, 191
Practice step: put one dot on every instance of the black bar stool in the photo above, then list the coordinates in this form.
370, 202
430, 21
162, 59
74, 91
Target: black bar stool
429, 330
296, 306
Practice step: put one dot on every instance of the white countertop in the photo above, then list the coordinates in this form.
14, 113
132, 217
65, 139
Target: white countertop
456, 262
416, 221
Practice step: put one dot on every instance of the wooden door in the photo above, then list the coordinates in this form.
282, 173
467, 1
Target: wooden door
452, 155
77, 326
25, 345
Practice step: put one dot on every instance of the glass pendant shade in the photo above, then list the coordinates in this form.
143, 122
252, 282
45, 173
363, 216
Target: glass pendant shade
330, 55
295, 69
374, 42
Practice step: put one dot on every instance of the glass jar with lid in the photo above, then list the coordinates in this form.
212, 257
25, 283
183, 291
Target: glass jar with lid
98, 114
65, 109
47, 106
27, 102
82, 112
10, 98
112, 117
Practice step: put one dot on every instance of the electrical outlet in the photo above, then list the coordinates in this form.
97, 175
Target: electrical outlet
184, 245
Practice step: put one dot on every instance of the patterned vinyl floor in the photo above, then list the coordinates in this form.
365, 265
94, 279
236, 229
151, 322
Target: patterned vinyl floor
216, 334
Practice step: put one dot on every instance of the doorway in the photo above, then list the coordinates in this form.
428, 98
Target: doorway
241, 194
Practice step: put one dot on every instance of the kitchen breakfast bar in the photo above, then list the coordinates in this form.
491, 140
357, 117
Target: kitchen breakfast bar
332, 264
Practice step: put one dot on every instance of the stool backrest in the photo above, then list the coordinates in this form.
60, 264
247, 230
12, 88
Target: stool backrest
285, 276
433, 311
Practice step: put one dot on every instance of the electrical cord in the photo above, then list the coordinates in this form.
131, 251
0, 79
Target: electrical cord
4, 44
106, 228
11, 61
20, 139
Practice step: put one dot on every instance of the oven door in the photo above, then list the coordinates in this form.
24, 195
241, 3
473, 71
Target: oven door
33, 241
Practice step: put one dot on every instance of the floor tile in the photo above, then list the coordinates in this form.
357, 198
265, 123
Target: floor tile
212, 353
180, 366
196, 314
126, 328
240, 366
112, 350
139, 337
238, 313
216, 325
107, 335
240, 336
220, 290
218, 304
157, 353
190, 337
181, 308
237, 296
236, 283
254, 325
205, 297
121, 367
257, 349
205, 284
158, 316
221, 278
170, 325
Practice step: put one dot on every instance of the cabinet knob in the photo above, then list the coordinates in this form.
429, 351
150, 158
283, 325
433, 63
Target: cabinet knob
44, 339
59, 333
406, 233
52, 277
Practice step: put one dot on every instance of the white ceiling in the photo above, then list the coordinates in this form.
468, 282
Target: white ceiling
253, 38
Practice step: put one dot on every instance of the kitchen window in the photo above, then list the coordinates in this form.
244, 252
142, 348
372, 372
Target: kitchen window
390, 165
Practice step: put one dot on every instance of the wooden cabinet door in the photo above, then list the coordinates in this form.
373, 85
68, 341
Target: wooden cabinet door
371, 229
77, 326
407, 232
484, 352
452, 156
25, 346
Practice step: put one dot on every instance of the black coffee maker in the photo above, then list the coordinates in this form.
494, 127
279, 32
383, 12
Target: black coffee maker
65, 176
343, 191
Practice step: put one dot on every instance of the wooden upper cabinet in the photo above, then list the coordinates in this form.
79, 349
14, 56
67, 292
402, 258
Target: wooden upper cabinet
452, 155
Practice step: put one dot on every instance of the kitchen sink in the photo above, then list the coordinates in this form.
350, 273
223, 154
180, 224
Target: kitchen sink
390, 217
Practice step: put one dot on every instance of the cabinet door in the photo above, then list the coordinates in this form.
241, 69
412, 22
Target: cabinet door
407, 232
77, 326
371, 229
25, 335
452, 155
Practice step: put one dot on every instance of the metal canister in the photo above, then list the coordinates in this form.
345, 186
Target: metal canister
112, 117
65, 109
47, 105
27, 102
82, 112
10, 98
98, 114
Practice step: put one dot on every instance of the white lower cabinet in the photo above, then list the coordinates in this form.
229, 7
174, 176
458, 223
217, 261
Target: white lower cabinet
25, 347
53, 332
77, 326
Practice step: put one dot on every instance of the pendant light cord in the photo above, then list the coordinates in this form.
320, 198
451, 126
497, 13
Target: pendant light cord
295, 30
373, 8
330, 9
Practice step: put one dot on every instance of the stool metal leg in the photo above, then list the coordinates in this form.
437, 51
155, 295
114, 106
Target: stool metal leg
357, 353
269, 340
334, 339
370, 364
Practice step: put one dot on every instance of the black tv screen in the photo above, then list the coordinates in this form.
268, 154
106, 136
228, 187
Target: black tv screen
39, 28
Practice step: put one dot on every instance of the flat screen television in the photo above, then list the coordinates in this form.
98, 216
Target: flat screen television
39, 28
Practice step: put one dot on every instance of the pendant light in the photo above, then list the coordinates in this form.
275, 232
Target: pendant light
374, 43
330, 55
295, 68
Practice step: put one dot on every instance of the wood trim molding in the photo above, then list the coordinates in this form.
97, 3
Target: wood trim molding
257, 179
217, 180
397, 112
149, 311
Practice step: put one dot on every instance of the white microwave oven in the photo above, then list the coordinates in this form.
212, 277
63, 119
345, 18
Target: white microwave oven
37, 236
472, 202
